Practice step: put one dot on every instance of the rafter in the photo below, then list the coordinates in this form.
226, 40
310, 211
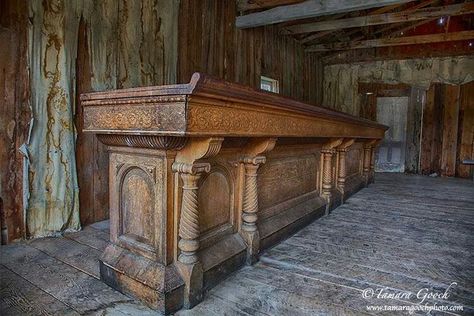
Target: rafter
387, 18
382, 10
309, 9
245, 5
384, 42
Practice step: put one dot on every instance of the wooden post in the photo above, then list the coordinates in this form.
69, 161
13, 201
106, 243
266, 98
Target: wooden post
252, 160
190, 171
368, 149
341, 176
188, 262
327, 152
250, 208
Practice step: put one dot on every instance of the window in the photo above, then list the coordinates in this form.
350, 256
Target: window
269, 84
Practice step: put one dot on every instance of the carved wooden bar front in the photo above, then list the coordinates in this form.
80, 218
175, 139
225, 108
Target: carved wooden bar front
205, 175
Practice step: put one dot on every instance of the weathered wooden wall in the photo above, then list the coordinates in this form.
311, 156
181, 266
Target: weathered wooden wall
121, 44
444, 138
14, 111
209, 42
448, 130
72, 47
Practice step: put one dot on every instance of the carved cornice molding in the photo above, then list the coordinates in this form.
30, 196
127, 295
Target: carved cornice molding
143, 141
138, 100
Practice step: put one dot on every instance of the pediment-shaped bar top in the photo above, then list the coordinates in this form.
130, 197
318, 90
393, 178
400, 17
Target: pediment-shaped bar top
209, 106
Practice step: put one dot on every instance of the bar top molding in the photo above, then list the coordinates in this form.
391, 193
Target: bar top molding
208, 106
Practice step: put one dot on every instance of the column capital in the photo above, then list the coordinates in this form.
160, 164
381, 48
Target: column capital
194, 168
254, 160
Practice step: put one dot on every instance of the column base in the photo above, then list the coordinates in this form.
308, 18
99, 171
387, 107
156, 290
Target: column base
193, 278
158, 286
252, 240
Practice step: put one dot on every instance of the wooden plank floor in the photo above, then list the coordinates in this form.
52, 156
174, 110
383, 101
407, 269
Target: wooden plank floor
402, 234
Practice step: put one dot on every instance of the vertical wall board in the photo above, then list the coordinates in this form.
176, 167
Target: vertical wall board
54, 200
147, 37
96, 71
209, 42
466, 130
415, 109
84, 142
15, 112
450, 130
428, 131
437, 140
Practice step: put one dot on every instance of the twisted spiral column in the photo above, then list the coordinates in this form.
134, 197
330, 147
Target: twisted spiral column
188, 261
327, 172
249, 229
189, 219
341, 177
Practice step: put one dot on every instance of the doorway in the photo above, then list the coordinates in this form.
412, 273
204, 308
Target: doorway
392, 111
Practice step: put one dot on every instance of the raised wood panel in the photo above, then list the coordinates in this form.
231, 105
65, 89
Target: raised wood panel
353, 160
285, 178
137, 211
215, 201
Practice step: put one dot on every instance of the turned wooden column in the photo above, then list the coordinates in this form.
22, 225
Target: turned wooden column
190, 170
341, 174
249, 230
251, 160
188, 262
327, 173
327, 182
367, 160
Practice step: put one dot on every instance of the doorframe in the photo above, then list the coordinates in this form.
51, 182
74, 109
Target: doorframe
370, 91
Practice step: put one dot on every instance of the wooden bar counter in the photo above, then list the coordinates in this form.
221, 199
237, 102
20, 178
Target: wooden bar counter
203, 176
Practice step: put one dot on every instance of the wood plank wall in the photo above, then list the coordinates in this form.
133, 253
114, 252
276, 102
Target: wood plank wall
209, 42
14, 111
128, 43
448, 130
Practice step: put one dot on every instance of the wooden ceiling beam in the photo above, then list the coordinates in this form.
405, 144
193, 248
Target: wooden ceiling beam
387, 18
385, 42
246, 5
309, 9
382, 10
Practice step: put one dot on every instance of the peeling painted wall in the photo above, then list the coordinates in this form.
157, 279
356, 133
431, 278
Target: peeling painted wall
129, 43
341, 81
53, 203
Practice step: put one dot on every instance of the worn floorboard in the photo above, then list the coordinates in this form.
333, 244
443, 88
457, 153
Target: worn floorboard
402, 234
